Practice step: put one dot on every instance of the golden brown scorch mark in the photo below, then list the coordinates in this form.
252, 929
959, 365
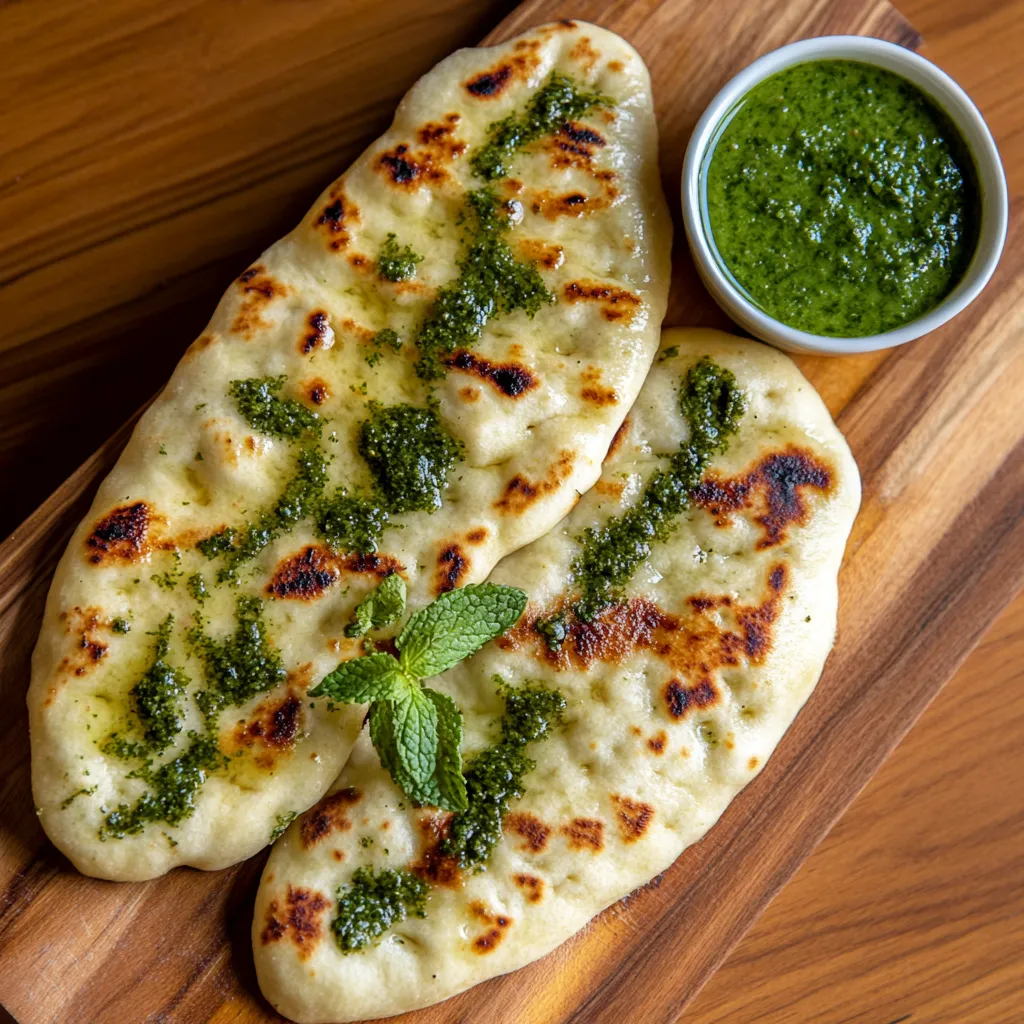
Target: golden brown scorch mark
695, 646
510, 379
584, 834
316, 390
309, 573
87, 627
453, 567
529, 828
532, 886
434, 866
409, 169
274, 724
336, 218
298, 920
616, 303
121, 535
258, 289
632, 816
775, 488
593, 391
585, 54
318, 333
574, 145
548, 256
486, 85
330, 815
497, 926
520, 493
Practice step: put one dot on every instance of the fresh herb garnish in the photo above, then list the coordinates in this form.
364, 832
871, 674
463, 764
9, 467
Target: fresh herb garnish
372, 903
258, 403
382, 606
386, 338
495, 776
492, 282
409, 453
417, 731
394, 263
712, 403
283, 821
556, 102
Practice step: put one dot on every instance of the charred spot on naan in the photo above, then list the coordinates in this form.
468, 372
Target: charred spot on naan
299, 920
695, 646
632, 816
584, 834
510, 379
87, 629
305, 576
575, 203
574, 145
584, 54
498, 925
616, 303
520, 492
328, 816
433, 866
489, 84
336, 218
275, 723
530, 829
656, 744
318, 333
544, 254
316, 390
259, 290
532, 886
309, 573
593, 391
774, 488
453, 566
203, 342
408, 169
121, 536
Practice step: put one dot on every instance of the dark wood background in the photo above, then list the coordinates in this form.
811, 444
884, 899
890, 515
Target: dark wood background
147, 152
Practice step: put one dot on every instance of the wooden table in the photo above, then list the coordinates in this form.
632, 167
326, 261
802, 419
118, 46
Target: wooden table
911, 909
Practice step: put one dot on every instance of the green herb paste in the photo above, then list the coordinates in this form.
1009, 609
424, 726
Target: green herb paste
495, 776
372, 903
385, 339
712, 403
491, 282
410, 454
557, 101
349, 522
395, 263
258, 403
239, 667
842, 200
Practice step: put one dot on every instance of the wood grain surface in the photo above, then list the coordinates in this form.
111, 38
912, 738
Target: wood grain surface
936, 553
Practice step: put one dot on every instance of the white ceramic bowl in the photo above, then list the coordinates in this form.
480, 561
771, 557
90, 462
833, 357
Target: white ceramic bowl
946, 94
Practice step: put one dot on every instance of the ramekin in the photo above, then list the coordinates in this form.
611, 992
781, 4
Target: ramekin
936, 84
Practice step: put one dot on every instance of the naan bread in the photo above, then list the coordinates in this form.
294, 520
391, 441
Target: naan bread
675, 700
534, 403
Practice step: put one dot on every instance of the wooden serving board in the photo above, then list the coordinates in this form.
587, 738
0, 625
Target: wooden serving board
937, 551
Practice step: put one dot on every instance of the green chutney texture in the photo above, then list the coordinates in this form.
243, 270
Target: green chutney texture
842, 199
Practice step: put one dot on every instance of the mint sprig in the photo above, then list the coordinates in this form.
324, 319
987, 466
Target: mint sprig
380, 607
417, 731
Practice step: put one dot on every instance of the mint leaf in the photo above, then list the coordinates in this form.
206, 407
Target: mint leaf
414, 722
456, 625
372, 677
451, 786
379, 608
382, 736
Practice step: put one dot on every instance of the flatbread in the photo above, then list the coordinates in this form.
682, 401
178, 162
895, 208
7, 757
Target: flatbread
676, 698
533, 402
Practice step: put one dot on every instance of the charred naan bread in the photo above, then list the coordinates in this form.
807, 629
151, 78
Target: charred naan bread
675, 696
418, 379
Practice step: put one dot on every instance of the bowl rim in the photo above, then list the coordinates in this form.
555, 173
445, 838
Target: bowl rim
936, 84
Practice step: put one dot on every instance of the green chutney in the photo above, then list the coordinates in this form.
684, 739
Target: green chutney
841, 199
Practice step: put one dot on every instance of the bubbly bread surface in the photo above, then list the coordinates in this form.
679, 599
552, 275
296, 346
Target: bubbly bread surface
508, 311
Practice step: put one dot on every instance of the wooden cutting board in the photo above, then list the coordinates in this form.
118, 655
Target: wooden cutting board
936, 553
